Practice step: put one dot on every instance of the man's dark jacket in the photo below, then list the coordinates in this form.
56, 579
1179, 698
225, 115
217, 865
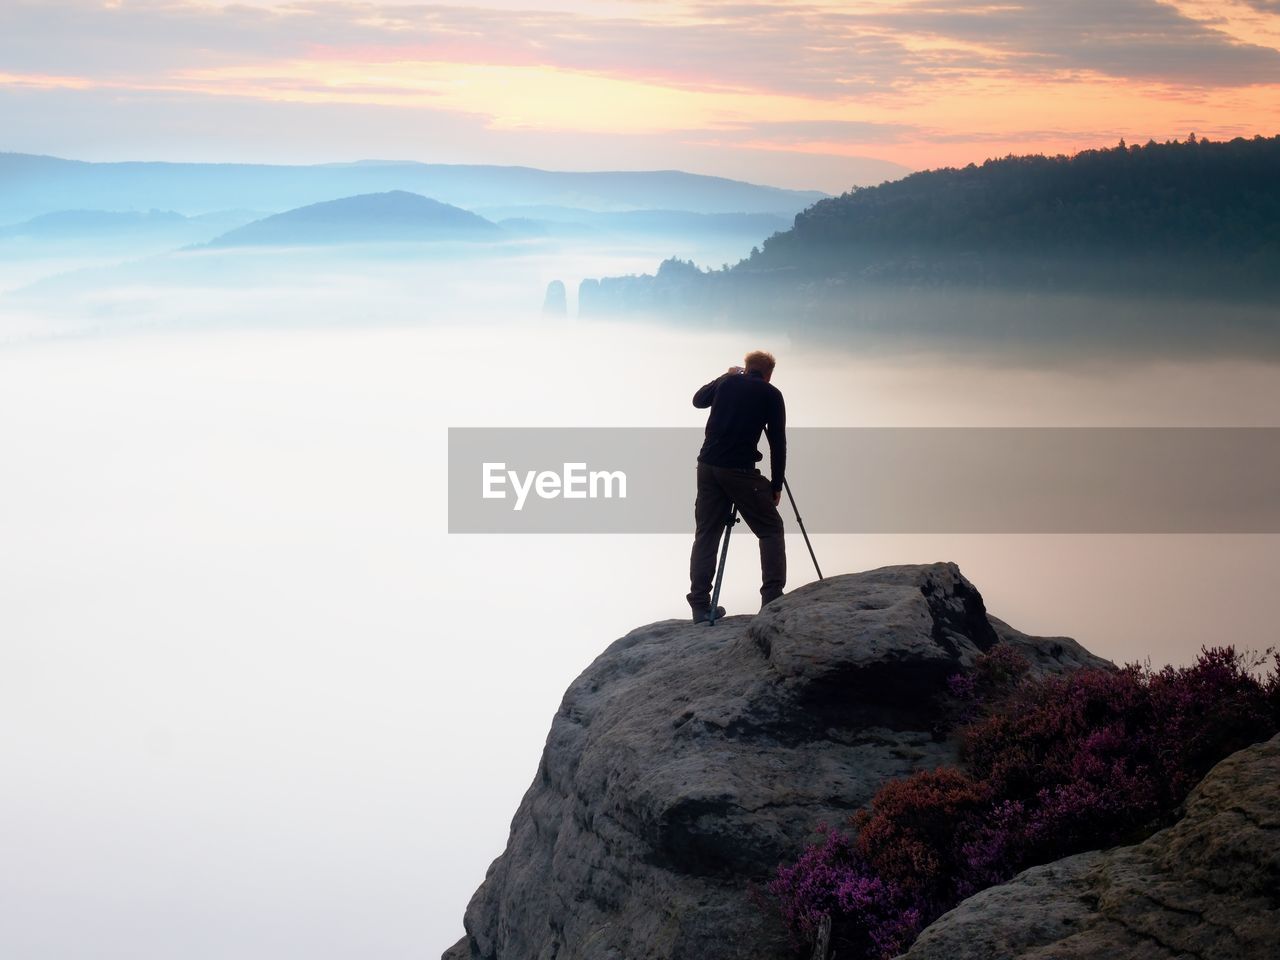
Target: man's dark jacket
742, 405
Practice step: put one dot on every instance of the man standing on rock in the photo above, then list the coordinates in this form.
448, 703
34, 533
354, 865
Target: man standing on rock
743, 403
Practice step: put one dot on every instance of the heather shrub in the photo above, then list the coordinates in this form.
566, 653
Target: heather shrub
999, 669
1204, 712
1097, 756
1272, 687
1054, 765
993, 676
877, 918
1031, 737
915, 832
1075, 752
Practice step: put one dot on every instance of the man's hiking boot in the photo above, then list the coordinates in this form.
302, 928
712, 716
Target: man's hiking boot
703, 614
765, 601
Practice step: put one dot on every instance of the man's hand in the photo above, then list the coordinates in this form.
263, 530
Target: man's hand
737, 370
777, 497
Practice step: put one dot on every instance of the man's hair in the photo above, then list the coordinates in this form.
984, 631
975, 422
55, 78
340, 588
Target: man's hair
760, 360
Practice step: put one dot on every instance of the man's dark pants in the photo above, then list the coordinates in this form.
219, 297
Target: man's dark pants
719, 490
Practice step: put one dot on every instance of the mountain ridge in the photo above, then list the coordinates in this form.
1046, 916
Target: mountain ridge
1194, 219
41, 184
391, 216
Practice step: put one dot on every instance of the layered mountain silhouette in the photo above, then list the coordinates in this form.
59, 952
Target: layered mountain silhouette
562, 222
39, 184
80, 223
1189, 218
1034, 219
392, 217
131, 226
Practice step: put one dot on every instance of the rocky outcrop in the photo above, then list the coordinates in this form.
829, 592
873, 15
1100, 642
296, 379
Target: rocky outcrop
555, 303
687, 761
678, 288
1207, 887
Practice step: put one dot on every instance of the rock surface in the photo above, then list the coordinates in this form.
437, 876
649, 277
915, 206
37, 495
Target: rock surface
555, 303
687, 761
1208, 887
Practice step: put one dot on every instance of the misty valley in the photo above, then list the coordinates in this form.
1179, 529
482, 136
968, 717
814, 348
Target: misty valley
1166, 250
225, 396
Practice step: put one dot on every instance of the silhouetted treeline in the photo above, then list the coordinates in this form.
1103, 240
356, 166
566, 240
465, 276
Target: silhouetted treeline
1036, 217
1193, 218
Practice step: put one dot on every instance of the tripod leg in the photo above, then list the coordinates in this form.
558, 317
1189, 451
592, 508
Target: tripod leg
796, 510
724, 555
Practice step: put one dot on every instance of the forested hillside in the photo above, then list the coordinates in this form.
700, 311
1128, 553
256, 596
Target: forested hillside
1184, 221
1201, 204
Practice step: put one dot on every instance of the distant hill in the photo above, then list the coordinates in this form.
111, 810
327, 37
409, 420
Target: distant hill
92, 223
395, 216
1160, 220
1197, 203
33, 185
559, 222
112, 233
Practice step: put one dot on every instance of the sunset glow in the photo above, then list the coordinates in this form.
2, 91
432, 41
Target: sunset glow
771, 89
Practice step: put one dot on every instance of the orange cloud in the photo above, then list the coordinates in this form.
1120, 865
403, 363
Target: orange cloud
45, 81
510, 96
914, 83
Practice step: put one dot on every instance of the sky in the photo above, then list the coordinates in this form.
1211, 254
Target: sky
808, 95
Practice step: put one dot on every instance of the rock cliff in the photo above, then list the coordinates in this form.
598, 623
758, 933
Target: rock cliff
687, 761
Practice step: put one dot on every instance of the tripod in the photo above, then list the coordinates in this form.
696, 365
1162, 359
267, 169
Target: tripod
724, 550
